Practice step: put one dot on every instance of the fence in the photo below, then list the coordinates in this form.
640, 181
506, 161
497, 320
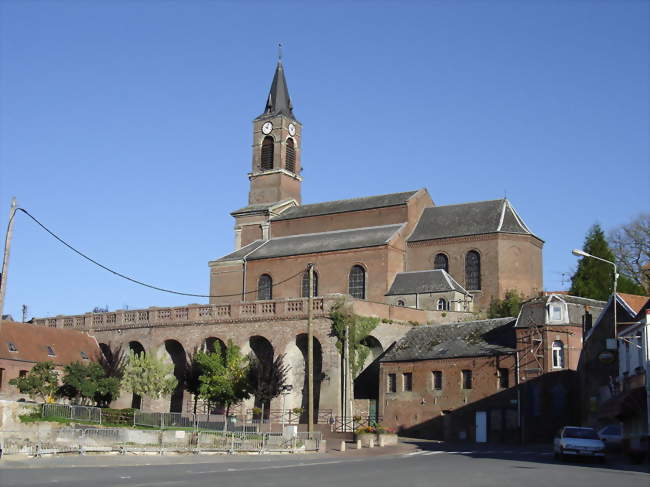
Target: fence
124, 440
347, 423
190, 421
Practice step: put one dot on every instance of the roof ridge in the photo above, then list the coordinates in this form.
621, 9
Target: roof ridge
466, 203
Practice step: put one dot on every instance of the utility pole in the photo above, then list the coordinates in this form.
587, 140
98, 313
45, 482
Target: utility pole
5, 258
310, 352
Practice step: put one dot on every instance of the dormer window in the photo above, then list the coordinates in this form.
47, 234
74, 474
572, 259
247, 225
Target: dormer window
50, 351
556, 312
12, 347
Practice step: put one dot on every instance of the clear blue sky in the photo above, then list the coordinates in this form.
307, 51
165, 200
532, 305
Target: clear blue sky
125, 126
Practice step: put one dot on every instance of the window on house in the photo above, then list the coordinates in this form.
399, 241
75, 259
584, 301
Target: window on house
467, 379
50, 351
305, 284
357, 282
473, 270
266, 160
400, 302
22, 373
443, 305
437, 380
407, 381
391, 385
441, 261
503, 375
12, 347
555, 312
291, 156
84, 355
557, 350
265, 287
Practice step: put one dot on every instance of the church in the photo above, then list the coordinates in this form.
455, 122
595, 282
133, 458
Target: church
399, 249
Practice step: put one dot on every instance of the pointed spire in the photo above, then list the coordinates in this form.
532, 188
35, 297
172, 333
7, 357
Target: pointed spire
278, 101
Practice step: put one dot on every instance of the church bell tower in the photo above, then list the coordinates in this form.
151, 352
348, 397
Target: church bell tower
275, 174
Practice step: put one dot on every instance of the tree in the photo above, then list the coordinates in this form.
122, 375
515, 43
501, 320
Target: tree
112, 360
85, 383
192, 373
40, 382
594, 279
506, 307
357, 328
631, 246
225, 376
146, 375
267, 380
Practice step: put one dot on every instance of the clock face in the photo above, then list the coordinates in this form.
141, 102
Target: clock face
292, 129
267, 127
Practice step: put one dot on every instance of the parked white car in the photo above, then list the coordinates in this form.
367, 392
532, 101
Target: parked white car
578, 441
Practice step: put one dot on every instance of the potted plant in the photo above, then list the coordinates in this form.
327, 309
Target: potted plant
365, 434
386, 435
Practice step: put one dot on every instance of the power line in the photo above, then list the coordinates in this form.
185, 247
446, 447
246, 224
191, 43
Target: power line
151, 286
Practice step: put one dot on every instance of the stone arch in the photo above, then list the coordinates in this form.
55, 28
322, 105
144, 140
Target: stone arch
367, 382
137, 348
297, 359
178, 357
213, 345
262, 349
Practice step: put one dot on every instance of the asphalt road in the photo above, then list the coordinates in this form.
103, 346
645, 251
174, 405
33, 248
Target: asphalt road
427, 467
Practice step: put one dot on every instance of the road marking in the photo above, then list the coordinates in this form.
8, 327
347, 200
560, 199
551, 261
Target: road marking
419, 452
434, 453
125, 477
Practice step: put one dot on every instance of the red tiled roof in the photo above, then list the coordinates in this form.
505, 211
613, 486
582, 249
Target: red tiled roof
634, 301
32, 342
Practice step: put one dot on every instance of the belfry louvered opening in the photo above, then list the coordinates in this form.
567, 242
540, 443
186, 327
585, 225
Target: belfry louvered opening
291, 156
266, 161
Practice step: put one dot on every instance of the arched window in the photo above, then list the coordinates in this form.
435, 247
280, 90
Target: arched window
473, 270
305, 284
558, 354
357, 282
291, 156
265, 287
441, 262
443, 305
267, 153
400, 302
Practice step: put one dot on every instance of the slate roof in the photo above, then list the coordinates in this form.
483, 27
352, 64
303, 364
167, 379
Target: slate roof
342, 206
468, 219
421, 282
311, 243
31, 342
278, 102
533, 312
470, 339
258, 207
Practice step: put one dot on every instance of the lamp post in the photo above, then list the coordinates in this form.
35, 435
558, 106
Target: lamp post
582, 253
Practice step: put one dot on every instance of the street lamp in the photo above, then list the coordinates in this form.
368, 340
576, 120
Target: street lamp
582, 253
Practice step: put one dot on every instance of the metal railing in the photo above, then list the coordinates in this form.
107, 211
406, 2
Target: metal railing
125, 440
346, 424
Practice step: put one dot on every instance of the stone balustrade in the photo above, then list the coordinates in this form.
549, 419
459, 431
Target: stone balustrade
277, 309
193, 314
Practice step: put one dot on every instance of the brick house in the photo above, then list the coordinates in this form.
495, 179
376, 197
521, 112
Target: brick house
452, 382
22, 345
